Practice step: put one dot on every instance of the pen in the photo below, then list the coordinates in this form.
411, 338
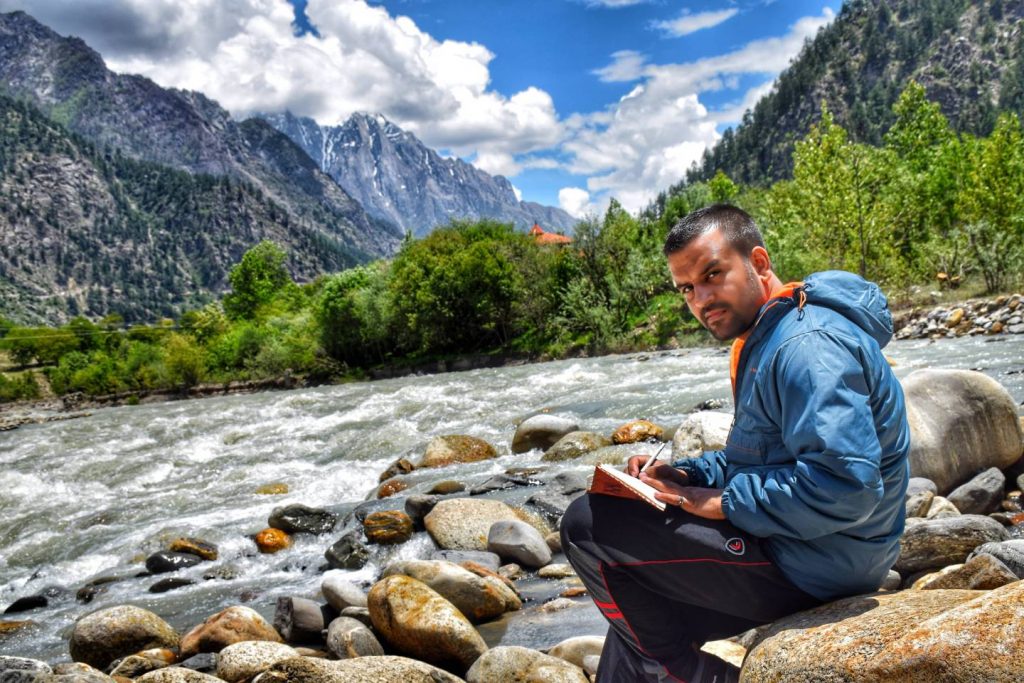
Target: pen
652, 459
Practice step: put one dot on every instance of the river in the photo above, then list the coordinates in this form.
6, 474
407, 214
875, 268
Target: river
94, 496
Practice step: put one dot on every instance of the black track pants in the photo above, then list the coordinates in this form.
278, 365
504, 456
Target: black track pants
667, 582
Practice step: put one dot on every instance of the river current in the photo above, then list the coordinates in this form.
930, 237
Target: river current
94, 496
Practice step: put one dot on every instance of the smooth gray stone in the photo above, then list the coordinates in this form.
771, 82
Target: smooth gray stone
541, 431
419, 505
348, 552
517, 541
348, 638
981, 495
299, 620
918, 484
481, 557
340, 592
166, 561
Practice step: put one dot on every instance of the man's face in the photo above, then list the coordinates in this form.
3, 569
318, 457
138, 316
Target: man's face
721, 287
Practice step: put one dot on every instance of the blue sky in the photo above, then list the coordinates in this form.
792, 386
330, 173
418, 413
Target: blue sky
576, 101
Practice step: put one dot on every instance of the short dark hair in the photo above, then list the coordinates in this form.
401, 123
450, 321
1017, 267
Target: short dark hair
736, 224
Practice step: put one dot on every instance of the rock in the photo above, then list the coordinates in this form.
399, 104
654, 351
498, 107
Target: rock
348, 552
463, 523
9, 627
26, 604
556, 571
512, 595
391, 487
360, 614
616, 454
554, 541
481, 557
590, 664
513, 663
415, 620
348, 638
270, 541
552, 504
477, 598
500, 482
981, 572
204, 662
101, 637
443, 488
917, 504
74, 672
941, 508
573, 592
511, 571
541, 431
299, 620
418, 506
385, 669
726, 650
636, 431
227, 627
575, 650
170, 584
1010, 553
961, 422
447, 450
575, 444
165, 561
242, 661
557, 605
340, 592
940, 542
196, 546
397, 468
273, 489
300, 519
388, 527
136, 665
954, 318
702, 431
177, 674
892, 581
21, 669
519, 542
918, 484
981, 495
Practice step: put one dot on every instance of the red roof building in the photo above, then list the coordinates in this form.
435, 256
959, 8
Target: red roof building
548, 237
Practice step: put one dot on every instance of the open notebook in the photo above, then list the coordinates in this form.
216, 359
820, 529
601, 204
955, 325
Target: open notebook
609, 481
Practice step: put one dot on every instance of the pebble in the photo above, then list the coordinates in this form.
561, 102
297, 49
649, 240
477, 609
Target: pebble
270, 541
196, 546
517, 541
242, 661
388, 527
348, 638
167, 561
301, 519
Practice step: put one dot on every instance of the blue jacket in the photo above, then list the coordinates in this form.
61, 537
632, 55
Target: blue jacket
816, 461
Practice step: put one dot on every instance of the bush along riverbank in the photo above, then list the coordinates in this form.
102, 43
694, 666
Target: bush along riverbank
428, 577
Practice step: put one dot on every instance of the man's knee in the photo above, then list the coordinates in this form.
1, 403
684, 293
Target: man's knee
577, 522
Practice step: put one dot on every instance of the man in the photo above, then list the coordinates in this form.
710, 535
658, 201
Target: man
804, 505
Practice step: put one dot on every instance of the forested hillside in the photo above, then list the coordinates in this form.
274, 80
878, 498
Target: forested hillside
968, 56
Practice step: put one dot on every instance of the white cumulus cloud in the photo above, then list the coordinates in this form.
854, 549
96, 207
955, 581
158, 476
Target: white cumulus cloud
688, 23
575, 201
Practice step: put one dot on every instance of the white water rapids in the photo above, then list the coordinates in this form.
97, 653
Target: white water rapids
94, 496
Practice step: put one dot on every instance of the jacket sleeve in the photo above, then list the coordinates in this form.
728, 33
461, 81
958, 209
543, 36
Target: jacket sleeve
817, 388
707, 471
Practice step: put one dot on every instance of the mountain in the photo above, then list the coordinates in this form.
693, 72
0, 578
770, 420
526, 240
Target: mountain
399, 179
69, 82
969, 56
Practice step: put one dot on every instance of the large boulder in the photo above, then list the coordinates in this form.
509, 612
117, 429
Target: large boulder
242, 661
980, 572
232, 625
513, 663
463, 523
447, 450
701, 431
962, 422
177, 674
935, 543
415, 620
541, 431
384, 669
575, 444
101, 637
476, 597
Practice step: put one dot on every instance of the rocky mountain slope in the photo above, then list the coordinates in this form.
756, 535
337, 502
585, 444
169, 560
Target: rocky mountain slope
70, 83
969, 56
399, 179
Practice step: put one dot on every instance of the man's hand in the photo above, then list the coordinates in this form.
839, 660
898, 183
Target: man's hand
636, 463
673, 488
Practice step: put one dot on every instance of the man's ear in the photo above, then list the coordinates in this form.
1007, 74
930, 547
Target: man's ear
761, 262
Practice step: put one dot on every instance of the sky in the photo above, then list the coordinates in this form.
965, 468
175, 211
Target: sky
575, 101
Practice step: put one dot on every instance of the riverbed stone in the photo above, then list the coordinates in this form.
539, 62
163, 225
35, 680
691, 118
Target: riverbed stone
136, 665
575, 650
340, 592
541, 431
517, 541
981, 495
1010, 553
962, 422
940, 508
636, 431
348, 638
276, 488
171, 583
360, 614
481, 557
196, 546
232, 625
514, 663
270, 541
918, 484
455, 448
917, 504
575, 444
705, 430
419, 505
388, 527
383, 669
937, 543
415, 620
9, 627
244, 660
74, 672
477, 598
22, 669
443, 488
177, 674
167, 561
101, 637
302, 519
397, 468
391, 487
300, 620
463, 523
348, 552
980, 572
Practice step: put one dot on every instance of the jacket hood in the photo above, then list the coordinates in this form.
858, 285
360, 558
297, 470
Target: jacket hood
854, 298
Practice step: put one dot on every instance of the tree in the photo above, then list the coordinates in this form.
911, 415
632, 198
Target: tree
722, 188
256, 279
